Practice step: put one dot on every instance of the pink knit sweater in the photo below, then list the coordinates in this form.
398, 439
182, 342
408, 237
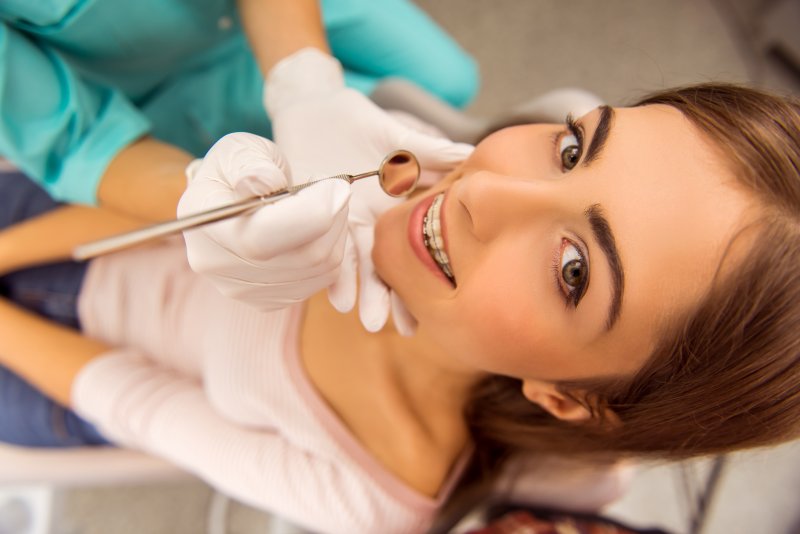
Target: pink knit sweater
219, 389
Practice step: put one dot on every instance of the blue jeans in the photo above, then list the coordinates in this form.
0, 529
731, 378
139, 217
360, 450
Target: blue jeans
27, 417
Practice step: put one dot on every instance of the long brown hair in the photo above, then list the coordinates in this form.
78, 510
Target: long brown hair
727, 374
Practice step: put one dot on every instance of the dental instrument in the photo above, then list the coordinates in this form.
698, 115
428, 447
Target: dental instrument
398, 175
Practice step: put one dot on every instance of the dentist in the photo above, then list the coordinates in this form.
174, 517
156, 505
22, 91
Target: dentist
106, 103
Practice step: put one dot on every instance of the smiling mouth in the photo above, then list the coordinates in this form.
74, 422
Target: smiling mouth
433, 239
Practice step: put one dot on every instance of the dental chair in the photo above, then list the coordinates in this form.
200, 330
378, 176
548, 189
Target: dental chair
30, 478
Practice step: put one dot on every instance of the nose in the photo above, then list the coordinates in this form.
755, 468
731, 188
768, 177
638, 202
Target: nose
496, 202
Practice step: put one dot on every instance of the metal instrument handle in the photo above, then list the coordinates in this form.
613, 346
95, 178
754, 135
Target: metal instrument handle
156, 231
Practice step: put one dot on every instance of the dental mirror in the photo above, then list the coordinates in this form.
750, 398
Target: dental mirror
398, 175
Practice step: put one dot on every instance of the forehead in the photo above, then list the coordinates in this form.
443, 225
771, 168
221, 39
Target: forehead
674, 207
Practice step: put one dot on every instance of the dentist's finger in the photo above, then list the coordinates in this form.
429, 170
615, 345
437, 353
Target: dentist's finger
373, 299
403, 321
287, 224
342, 294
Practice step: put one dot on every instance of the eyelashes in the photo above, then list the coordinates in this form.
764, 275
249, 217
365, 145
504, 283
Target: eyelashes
568, 144
574, 128
571, 272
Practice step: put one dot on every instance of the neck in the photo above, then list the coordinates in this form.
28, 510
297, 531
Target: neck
424, 372
400, 397
409, 373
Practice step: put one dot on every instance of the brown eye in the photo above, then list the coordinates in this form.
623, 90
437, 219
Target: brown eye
570, 157
574, 273
574, 276
570, 148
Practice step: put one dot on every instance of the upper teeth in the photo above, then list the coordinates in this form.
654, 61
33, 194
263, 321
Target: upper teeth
432, 236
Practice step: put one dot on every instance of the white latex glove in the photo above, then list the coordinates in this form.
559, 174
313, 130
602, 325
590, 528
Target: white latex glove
282, 253
325, 128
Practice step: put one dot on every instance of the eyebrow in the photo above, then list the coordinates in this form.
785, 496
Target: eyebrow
605, 238
598, 222
600, 136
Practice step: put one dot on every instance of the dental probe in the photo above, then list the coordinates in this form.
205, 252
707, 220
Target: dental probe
398, 174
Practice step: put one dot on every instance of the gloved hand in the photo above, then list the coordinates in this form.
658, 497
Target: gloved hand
283, 252
325, 128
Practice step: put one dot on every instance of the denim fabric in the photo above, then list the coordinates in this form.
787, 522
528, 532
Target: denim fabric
27, 417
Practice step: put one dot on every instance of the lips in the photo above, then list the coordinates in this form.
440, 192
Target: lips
426, 233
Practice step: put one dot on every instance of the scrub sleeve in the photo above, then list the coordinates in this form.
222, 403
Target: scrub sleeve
58, 127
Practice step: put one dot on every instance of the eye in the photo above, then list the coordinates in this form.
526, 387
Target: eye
573, 272
570, 145
570, 149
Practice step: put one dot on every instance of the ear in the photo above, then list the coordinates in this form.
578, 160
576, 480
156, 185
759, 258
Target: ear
561, 406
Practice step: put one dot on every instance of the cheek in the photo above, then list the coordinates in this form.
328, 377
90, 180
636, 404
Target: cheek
497, 322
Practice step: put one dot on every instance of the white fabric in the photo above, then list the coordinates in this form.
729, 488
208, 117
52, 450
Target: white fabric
325, 128
216, 387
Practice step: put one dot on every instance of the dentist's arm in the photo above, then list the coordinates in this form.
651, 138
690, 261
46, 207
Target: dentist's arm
278, 28
145, 180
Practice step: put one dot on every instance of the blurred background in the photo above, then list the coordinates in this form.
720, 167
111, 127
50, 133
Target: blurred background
621, 49
618, 49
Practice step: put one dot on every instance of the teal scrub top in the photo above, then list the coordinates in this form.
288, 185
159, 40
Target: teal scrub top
82, 79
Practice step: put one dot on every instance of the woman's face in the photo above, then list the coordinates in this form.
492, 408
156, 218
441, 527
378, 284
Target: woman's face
568, 245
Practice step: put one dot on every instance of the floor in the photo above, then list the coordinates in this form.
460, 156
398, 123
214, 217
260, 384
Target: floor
620, 50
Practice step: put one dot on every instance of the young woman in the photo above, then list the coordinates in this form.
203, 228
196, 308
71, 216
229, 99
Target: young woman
617, 286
